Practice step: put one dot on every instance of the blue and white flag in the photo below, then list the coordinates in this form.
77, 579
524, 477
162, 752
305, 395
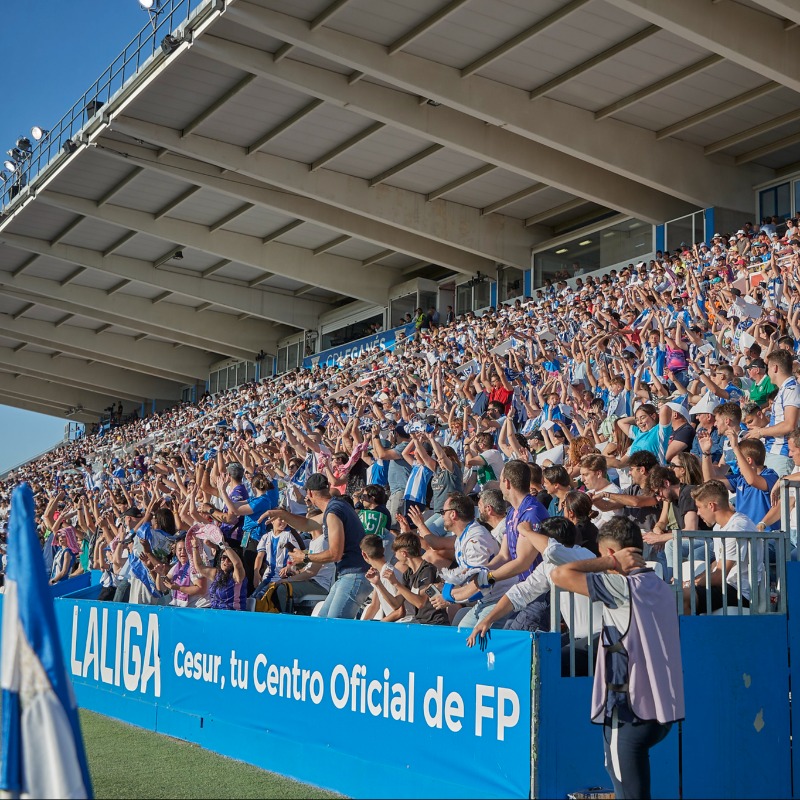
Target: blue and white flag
42, 750
303, 471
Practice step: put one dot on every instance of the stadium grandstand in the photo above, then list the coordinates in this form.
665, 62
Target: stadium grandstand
437, 313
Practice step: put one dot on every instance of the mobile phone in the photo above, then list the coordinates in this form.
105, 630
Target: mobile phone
432, 591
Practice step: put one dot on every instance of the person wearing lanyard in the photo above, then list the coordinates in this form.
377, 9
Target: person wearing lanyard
638, 678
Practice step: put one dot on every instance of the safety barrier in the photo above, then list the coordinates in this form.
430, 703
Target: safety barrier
374, 710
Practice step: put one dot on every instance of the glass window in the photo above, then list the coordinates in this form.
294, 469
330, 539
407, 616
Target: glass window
213, 382
293, 360
250, 372
482, 296
400, 307
428, 300
510, 284
463, 298
628, 241
351, 332
687, 230
775, 202
283, 353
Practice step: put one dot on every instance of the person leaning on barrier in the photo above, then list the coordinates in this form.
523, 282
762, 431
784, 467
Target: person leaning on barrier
638, 679
732, 556
555, 539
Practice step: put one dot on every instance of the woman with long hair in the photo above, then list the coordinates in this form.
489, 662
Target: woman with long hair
687, 468
227, 583
65, 554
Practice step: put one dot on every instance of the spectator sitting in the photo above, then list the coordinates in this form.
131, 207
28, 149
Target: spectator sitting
557, 483
732, 556
752, 481
578, 510
418, 579
678, 512
492, 509
343, 532
385, 595
272, 555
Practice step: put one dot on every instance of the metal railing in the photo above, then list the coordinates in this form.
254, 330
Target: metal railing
146, 44
759, 571
581, 618
759, 565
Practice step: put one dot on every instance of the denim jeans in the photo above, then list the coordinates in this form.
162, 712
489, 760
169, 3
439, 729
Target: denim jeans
479, 610
347, 595
699, 547
783, 465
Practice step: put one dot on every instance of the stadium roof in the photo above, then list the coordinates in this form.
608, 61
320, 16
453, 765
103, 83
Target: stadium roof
299, 154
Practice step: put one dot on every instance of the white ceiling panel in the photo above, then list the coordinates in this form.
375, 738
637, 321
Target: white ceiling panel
435, 171
316, 134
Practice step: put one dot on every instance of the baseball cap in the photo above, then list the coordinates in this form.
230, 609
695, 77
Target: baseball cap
759, 363
317, 483
678, 408
705, 406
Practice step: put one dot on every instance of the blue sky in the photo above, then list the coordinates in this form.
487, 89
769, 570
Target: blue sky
53, 50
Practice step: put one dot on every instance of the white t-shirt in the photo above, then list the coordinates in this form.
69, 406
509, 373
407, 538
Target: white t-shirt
739, 550
391, 590
605, 516
327, 574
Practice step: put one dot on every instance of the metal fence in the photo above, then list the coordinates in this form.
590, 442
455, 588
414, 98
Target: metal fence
61, 138
757, 577
759, 567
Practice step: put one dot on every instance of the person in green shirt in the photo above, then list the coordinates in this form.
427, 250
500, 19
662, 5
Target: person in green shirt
763, 388
374, 515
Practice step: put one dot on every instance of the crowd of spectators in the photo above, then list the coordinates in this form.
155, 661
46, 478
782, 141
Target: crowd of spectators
443, 480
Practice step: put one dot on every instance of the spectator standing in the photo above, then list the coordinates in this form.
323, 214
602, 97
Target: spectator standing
638, 681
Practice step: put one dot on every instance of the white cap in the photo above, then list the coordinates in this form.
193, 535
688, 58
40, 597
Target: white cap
705, 406
678, 408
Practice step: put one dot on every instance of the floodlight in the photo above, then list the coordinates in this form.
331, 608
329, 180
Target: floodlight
39, 133
10, 165
170, 43
24, 144
69, 147
147, 5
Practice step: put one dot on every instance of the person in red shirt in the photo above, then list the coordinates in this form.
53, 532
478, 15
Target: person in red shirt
497, 385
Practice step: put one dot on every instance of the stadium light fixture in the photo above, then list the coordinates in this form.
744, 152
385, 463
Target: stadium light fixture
170, 43
153, 8
39, 133
93, 106
69, 147
24, 144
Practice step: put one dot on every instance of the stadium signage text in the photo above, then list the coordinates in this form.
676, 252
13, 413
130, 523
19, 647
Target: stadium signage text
116, 648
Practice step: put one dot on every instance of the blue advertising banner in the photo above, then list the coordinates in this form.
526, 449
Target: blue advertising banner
367, 709
386, 340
